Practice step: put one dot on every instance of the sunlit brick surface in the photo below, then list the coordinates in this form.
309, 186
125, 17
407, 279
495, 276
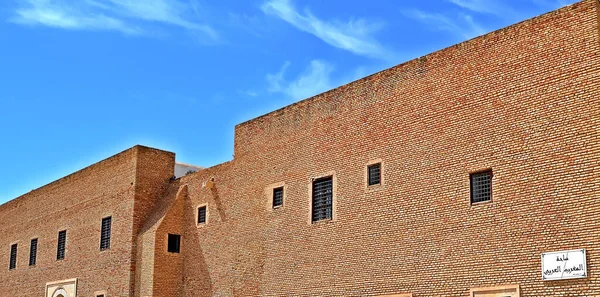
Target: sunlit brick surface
522, 101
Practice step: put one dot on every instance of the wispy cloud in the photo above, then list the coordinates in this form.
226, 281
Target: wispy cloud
127, 16
464, 26
248, 93
314, 80
493, 7
553, 4
356, 36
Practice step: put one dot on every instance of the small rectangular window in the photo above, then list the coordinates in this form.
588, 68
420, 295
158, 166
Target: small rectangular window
100, 295
481, 186
277, 197
174, 243
374, 174
322, 199
33, 252
62, 242
202, 215
13, 257
105, 233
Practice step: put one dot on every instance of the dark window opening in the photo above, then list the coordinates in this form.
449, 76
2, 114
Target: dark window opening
174, 243
277, 197
481, 186
62, 241
202, 215
33, 252
13, 257
374, 174
322, 199
105, 233
100, 295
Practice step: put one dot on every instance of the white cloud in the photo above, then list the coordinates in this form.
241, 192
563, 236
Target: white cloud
355, 36
67, 19
464, 26
314, 80
553, 4
127, 16
493, 7
248, 93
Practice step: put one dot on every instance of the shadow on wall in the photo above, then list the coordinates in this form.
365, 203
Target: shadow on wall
215, 193
196, 278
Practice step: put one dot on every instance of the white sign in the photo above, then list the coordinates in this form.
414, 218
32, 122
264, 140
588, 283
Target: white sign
564, 265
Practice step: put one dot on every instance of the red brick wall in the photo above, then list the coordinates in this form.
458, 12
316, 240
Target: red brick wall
154, 170
522, 100
76, 203
168, 267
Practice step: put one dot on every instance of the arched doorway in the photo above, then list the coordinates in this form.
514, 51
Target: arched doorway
60, 293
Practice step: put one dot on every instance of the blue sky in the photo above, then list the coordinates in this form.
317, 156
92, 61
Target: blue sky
81, 80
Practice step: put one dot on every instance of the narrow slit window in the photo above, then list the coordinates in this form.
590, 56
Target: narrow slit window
277, 197
374, 174
62, 242
322, 199
174, 243
481, 186
105, 233
33, 252
202, 214
13, 257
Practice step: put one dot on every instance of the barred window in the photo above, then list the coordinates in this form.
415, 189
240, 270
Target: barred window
481, 186
174, 243
13, 257
322, 199
105, 233
33, 252
62, 242
374, 174
202, 215
277, 197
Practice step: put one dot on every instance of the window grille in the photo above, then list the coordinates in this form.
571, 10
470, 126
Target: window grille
277, 197
105, 233
202, 215
62, 241
481, 186
174, 243
322, 199
13, 257
374, 174
33, 252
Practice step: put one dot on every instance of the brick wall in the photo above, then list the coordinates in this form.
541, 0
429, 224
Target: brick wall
77, 203
522, 100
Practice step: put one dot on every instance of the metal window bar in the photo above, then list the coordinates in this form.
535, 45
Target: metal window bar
374, 174
105, 233
277, 197
481, 186
202, 215
33, 252
62, 241
322, 199
13, 257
